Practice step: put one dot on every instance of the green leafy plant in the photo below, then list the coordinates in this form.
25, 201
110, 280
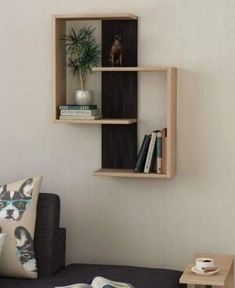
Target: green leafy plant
83, 52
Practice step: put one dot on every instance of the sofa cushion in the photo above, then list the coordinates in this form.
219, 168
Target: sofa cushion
84, 273
18, 206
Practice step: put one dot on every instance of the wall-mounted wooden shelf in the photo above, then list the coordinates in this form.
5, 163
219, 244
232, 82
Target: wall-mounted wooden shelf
99, 121
119, 95
127, 173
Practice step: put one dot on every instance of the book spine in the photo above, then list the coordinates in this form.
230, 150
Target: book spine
77, 107
150, 155
159, 152
164, 141
141, 158
79, 117
79, 112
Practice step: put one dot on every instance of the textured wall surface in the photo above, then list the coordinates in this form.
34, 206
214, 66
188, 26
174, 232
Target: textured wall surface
157, 223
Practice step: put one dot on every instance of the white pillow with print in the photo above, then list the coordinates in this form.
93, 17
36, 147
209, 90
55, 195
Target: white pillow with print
2, 239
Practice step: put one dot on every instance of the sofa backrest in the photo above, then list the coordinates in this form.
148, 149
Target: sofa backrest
48, 215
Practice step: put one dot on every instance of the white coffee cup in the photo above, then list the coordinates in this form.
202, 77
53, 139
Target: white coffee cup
2, 239
202, 263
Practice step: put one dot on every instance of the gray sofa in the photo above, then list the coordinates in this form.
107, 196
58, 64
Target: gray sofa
50, 253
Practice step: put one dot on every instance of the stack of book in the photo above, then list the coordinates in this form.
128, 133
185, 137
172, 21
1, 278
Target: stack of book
152, 154
79, 112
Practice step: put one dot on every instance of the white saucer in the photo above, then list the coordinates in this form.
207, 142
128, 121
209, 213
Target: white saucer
204, 273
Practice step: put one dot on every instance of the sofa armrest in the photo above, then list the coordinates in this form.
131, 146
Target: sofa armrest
49, 239
58, 251
51, 257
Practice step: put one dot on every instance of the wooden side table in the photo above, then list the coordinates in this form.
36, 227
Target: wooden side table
224, 278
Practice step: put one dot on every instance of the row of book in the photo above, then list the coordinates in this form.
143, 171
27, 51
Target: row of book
79, 112
152, 154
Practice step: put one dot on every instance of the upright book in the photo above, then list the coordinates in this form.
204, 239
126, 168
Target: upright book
151, 154
164, 149
141, 158
99, 282
159, 152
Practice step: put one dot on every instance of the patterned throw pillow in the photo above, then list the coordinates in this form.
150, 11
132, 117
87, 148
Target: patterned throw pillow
2, 239
18, 207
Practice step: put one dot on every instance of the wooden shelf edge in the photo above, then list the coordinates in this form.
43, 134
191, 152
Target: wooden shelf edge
132, 69
127, 173
98, 121
113, 16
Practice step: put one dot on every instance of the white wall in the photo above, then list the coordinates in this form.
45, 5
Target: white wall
157, 223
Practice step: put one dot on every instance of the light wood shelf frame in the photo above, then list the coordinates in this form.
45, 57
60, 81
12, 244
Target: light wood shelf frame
171, 120
128, 173
132, 69
97, 16
59, 87
111, 121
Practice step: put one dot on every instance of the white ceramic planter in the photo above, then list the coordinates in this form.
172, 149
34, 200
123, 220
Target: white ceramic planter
84, 97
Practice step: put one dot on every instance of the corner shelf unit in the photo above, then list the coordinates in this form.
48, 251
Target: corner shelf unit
119, 96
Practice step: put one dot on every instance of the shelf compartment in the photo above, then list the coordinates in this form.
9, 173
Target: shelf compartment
127, 173
127, 23
171, 109
115, 121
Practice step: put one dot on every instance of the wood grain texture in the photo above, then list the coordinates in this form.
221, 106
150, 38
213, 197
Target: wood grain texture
119, 146
224, 278
128, 31
119, 97
129, 69
229, 282
113, 121
129, 173
59, 65
103, 16
171, 112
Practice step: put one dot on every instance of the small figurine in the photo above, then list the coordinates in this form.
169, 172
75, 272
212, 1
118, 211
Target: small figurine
116, 51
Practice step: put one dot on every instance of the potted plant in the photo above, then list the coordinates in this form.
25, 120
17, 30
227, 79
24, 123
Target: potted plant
83, 53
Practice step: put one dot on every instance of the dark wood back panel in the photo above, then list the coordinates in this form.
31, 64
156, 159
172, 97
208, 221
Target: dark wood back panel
128, 31
119, 94
119, 146
119, 97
